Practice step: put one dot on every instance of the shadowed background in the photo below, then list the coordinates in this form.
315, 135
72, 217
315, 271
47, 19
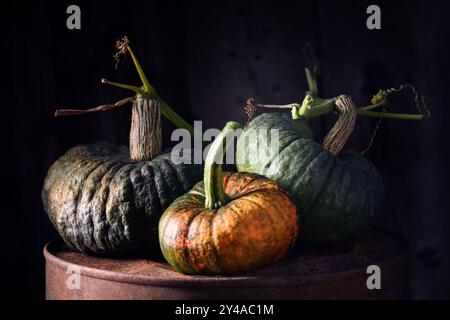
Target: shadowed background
206, 58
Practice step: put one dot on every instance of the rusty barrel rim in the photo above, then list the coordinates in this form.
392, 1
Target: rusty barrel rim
226, 281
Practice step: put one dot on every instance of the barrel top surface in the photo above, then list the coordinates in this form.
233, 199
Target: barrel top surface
304, 264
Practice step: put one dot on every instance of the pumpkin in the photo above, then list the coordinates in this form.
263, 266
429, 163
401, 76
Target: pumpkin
228, 224
336, 192
107, 200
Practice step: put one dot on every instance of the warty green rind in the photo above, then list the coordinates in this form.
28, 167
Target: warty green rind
101, 202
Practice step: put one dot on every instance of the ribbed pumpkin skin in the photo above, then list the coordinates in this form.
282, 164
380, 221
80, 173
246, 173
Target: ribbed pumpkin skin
257, 227
336, 197
102, 202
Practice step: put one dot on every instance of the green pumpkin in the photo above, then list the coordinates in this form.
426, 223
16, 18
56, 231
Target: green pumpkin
102, 202
336, 196
107, 200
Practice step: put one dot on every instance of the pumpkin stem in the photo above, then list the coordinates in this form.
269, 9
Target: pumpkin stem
215, 196
337, 137
145, 131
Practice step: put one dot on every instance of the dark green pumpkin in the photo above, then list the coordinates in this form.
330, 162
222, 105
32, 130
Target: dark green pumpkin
337, 196
102, 202
107, 200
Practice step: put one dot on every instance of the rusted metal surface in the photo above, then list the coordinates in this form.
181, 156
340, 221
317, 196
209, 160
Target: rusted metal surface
307, 273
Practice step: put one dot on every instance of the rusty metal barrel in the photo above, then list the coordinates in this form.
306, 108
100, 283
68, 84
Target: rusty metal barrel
338, 272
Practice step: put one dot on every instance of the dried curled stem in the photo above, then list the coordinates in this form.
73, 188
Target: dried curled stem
252, 107
103, 107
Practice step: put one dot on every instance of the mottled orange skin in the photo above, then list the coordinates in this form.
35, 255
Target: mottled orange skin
256, 227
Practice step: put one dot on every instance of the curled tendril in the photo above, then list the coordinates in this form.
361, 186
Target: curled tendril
374, 134
381, 97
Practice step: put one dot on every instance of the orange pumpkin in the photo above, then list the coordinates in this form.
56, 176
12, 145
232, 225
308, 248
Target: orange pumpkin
228, 224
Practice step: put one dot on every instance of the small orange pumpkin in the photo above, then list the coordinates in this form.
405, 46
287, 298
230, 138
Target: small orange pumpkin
228, 224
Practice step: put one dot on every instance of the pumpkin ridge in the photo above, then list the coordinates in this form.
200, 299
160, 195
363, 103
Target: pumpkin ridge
187, 253
156, 179
366, 207
177, 186
148, 172
57, 219
260, 184
231, 206
79, 191
114, 212
128, 217
285, 147
370, 203
298, 168
166, 184
345, 170
102, 225
237, 182
103, 212
200, 242
184, 177
276, 192
100, 165
272, 224
324, 184
87, 210
143, 200
297, 171
215, 239
316, 200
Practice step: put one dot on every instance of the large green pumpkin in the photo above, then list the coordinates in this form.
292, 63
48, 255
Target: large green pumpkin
336, 196
107, 200
103, 202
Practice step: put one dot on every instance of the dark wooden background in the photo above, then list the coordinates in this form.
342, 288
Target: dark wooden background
206, 58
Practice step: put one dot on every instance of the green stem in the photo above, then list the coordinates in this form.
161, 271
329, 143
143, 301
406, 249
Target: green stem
312, 83
389, 115
175, 118
215, 196
313, 107
373, 106
138, 90
147, 86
